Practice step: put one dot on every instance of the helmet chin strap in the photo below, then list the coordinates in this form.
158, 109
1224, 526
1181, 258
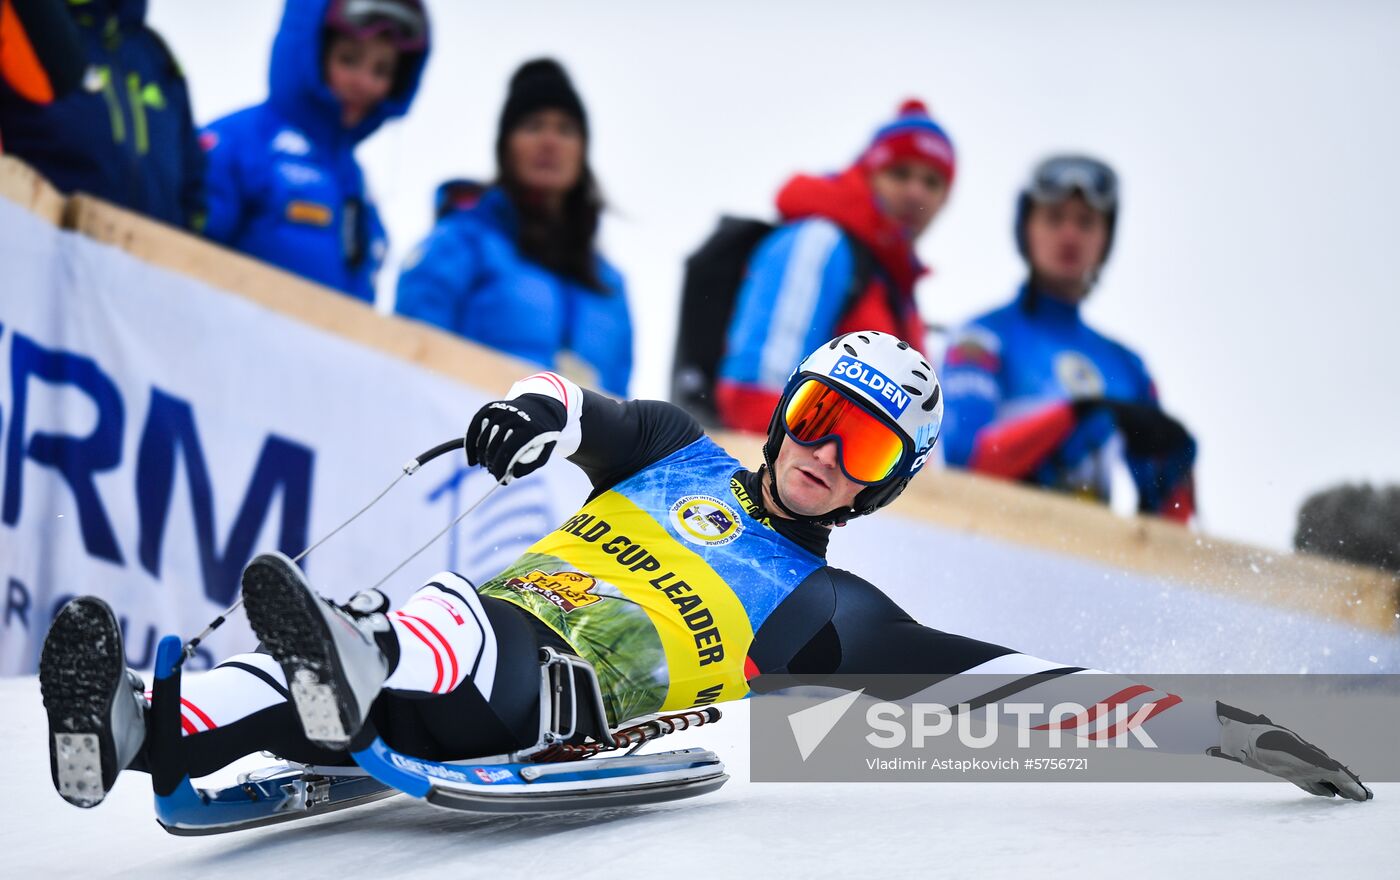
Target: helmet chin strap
834, 517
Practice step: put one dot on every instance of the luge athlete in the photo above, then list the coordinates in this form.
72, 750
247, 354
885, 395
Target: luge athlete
682, 577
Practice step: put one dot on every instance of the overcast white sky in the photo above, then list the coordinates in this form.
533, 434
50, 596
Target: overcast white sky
1256, 141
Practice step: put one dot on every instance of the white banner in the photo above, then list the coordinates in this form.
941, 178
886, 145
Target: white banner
156, 433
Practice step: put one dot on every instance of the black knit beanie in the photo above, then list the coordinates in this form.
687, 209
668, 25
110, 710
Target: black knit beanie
541, 84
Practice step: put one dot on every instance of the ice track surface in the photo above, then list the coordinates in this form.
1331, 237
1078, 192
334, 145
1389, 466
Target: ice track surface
744, 830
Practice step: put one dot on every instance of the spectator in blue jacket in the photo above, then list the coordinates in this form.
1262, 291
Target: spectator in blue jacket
1035, 394
283, 182
518, 270
127, 134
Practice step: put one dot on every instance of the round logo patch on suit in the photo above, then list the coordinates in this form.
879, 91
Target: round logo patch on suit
1079, 376
705, 521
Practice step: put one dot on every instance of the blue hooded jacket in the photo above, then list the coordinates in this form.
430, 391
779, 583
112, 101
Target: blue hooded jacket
127, 135
1010, 364
468, 277
283, 184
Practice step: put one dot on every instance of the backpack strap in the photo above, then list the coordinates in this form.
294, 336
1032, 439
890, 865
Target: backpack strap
867, 269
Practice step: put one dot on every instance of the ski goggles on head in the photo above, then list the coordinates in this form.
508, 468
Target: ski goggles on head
870, 448
1058, 178
402, 22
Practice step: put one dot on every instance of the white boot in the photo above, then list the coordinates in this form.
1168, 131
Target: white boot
334, 666
97, 714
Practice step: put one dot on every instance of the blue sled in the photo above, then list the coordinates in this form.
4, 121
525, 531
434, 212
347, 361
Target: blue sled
293, 791
516, 787
279, 794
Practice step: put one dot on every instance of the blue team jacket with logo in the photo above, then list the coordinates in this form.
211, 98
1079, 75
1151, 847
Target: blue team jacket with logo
282, 182
1027, 354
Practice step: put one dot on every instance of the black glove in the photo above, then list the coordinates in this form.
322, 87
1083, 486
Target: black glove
512, 438
1147, 431
1255, 741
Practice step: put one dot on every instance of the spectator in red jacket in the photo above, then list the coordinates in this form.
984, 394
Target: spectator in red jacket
843, 261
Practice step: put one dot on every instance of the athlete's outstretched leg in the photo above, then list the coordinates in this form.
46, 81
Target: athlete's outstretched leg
240, 707
869, 633
978, 673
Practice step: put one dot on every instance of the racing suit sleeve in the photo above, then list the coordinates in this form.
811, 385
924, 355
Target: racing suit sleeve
798, 282
836, 623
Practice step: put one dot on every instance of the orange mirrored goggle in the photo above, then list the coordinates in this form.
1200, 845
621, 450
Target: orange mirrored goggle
870, 449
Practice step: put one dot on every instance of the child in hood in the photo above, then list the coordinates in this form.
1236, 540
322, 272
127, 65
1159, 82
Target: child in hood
283, 184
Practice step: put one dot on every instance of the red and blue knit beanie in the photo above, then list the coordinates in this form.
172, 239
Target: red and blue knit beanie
913, 135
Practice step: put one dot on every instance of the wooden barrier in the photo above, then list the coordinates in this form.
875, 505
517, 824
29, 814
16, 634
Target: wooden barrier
954, 500
1352, 594
27, 188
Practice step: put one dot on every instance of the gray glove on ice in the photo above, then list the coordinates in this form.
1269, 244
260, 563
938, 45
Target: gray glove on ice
1255, 741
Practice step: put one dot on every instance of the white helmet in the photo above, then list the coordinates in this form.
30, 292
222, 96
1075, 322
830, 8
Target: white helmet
890, 380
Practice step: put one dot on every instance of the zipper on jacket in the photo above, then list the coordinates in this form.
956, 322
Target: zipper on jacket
114, 107
138, 112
